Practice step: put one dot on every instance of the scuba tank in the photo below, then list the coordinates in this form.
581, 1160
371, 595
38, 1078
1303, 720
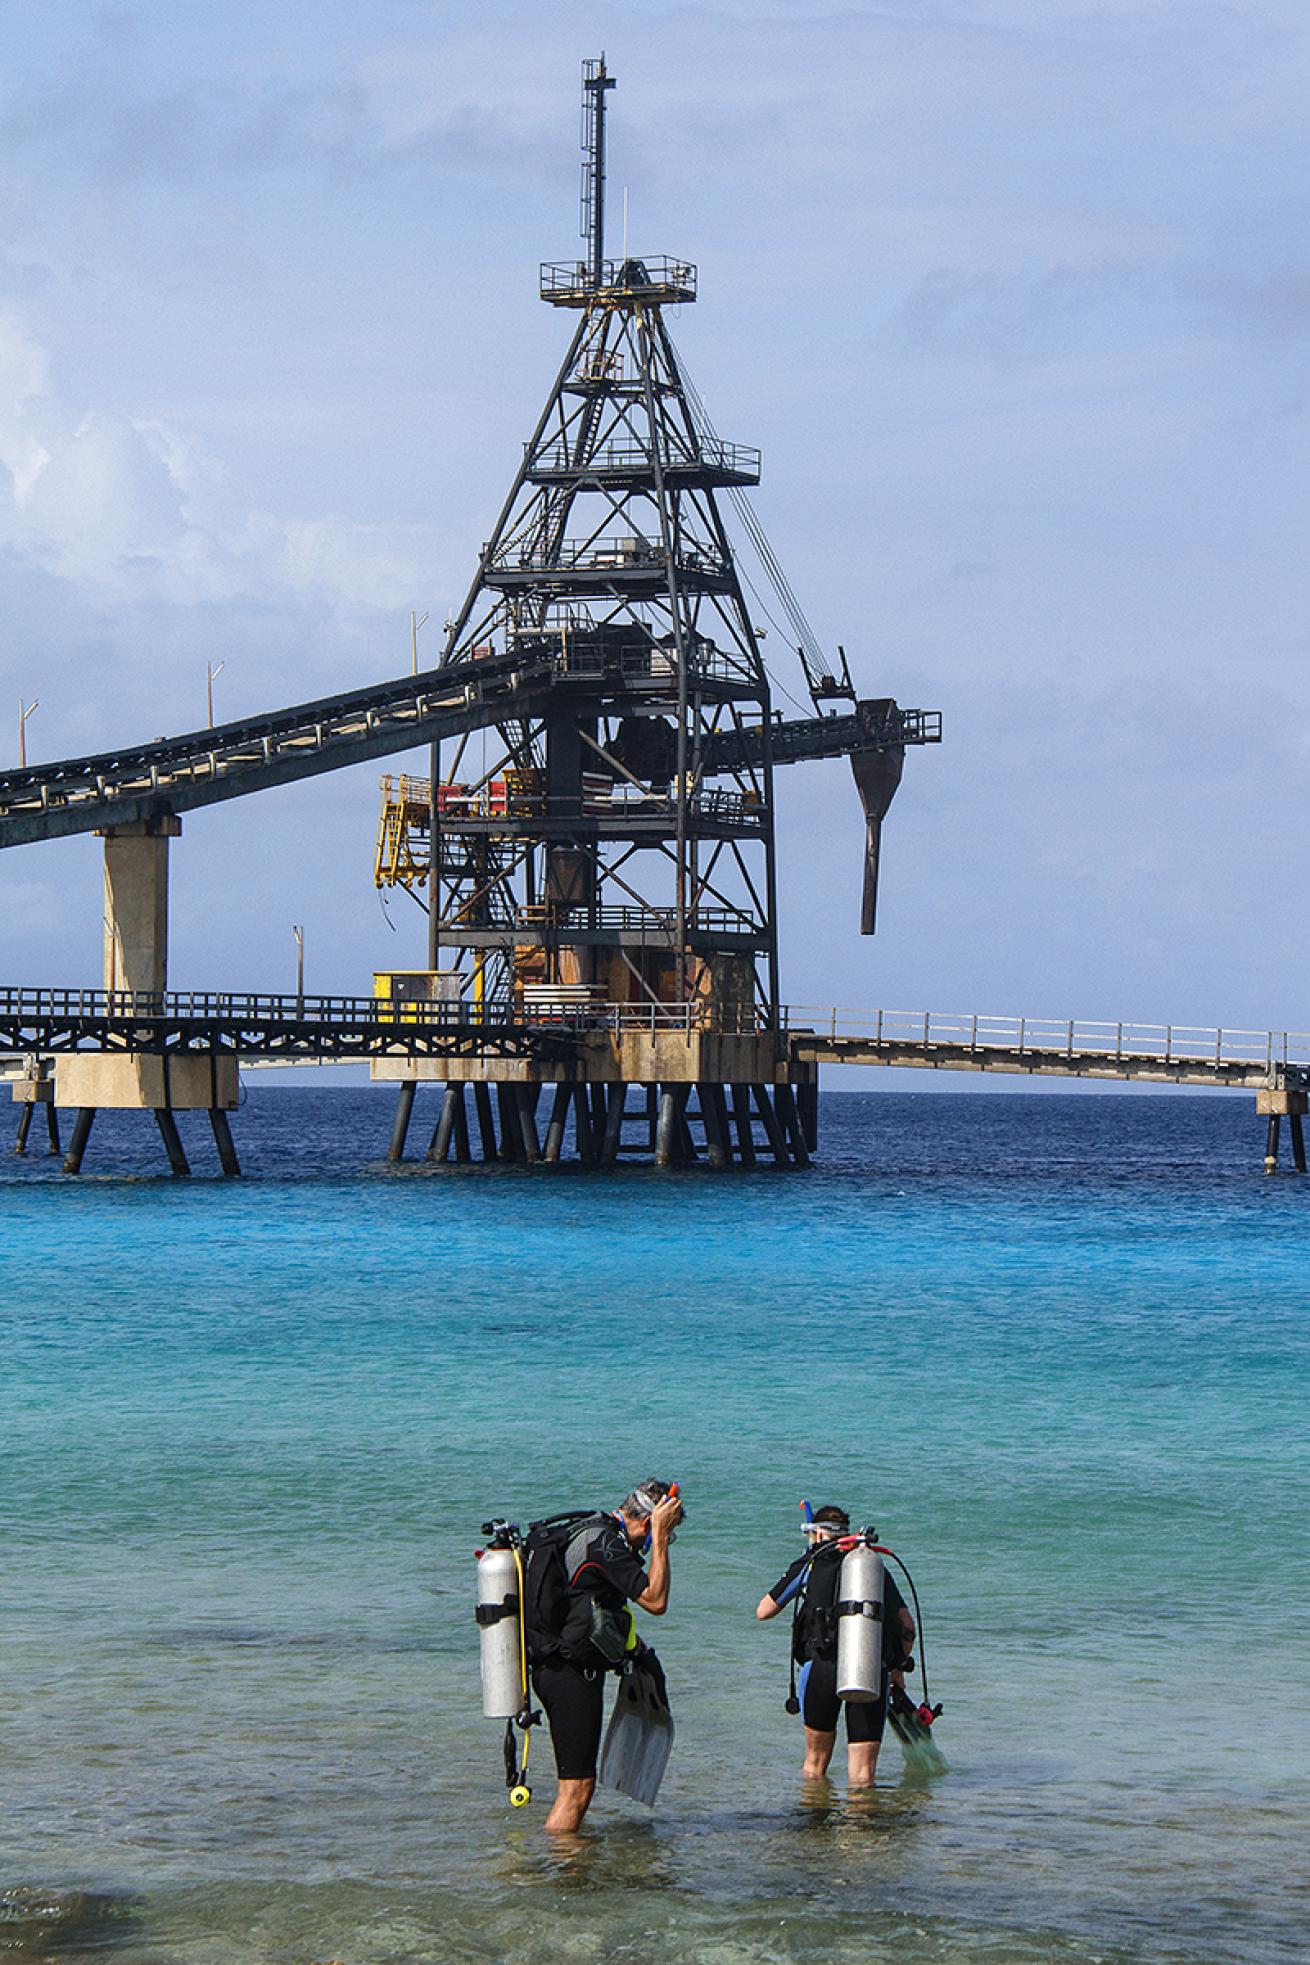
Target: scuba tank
859, 1625
499, 1615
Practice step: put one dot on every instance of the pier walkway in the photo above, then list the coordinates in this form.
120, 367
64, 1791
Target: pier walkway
55, 1022
1162, 1054
178, 1050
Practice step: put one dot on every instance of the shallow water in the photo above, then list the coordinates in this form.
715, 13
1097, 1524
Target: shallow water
1055, 1347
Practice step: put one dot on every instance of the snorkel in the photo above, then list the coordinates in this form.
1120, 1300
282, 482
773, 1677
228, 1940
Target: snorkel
674, 1494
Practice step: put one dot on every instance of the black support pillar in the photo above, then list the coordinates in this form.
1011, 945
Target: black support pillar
227, 1153
1271, 1144
81, 1133
785, 1103
559, 1109
486, 1120
172, 1139
404, 1107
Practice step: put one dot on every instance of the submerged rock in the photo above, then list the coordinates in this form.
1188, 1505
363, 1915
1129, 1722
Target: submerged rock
37, 1923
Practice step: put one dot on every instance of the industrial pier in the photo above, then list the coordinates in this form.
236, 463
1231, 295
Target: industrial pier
601, 975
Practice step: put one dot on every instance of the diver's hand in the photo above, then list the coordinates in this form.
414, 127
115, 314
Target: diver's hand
667, 1515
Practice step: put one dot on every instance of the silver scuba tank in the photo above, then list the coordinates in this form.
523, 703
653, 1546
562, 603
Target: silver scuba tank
859, 1626
498, 1614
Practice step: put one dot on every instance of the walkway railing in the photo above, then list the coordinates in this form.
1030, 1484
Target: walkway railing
255, 1022
235, 1013
1073, 1038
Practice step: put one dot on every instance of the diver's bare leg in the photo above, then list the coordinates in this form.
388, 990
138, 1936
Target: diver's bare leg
818, 1753
861, 1762
572, 1800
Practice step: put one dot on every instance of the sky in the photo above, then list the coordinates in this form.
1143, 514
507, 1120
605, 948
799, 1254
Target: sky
1014, 295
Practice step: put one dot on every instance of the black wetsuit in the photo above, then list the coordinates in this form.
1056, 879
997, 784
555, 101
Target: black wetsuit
816, 1645
571, 1683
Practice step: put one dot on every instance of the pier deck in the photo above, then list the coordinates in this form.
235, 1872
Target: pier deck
1161, 1054
54, 1022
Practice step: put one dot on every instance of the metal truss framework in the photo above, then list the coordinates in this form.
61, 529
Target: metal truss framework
589, 851
64, 1022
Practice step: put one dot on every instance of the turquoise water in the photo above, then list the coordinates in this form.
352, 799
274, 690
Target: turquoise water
1055, 1348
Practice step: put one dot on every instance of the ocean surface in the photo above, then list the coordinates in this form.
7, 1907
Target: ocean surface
1054, 1347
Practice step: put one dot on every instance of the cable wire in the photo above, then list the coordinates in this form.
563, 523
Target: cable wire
791, 607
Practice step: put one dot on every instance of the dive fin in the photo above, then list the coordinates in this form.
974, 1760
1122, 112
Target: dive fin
922, 1754
639, 1738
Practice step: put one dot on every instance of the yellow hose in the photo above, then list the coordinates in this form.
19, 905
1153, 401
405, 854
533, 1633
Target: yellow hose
522, 1790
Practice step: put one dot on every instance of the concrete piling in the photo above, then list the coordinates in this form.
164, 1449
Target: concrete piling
172, 1139
462, 1144
227, 1153
1276, 1103
1271, 1143
486, 1120
785, 1106
555, 1128
609, 1147
511, 1127
772, 1129
81, 1133
741, 1114
717, 1151
526, 1102
400, 1127
439, 1144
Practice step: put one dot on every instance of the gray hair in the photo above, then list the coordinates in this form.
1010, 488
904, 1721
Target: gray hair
644, 1499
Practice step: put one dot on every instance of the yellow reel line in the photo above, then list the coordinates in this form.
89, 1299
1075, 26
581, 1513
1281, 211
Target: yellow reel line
521, 1794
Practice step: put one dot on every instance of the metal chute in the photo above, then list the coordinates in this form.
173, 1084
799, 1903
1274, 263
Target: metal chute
877, 775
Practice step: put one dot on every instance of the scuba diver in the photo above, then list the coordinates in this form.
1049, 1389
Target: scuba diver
562, 1626
810, 1585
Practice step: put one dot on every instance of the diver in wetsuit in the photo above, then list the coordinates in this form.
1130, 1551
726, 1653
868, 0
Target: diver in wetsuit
814, 1578
603, 1574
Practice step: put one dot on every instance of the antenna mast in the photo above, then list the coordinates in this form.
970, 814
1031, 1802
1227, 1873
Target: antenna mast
596, 81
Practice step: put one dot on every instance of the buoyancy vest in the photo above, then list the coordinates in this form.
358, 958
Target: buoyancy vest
558, 1616
815, 1628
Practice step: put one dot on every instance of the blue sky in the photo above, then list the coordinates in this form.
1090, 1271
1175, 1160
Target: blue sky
1014, 297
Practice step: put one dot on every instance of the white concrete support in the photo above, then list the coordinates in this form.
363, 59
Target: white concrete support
136, 904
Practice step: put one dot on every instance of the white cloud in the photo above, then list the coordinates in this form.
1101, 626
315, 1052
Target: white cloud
134, 507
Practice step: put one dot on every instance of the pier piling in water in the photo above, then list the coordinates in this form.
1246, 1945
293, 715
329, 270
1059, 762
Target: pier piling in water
400, 1127
77, 1142
172, 1139
227, 1153
1276, 1103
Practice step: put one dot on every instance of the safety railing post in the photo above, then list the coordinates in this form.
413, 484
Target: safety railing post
1218, 1048
1119, 1041
926, 1019
878, 1034
973, 1033
1071, 1037
1023, 1021
1168, 1041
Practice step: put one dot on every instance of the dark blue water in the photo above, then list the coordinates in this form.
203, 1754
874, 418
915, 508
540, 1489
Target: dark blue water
1055, 1348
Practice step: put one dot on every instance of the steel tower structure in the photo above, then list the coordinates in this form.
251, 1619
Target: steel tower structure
617, 846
